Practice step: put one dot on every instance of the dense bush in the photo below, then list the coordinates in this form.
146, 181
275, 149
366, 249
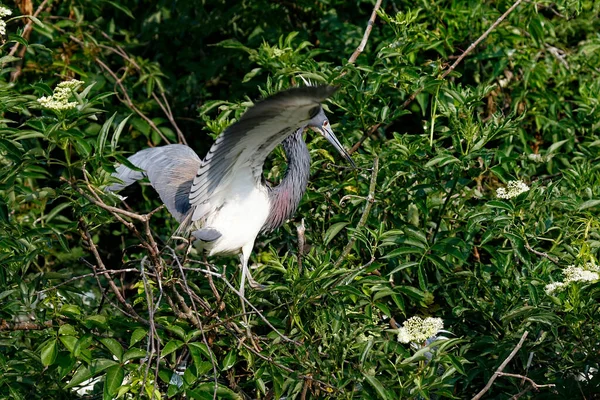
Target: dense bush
96, 303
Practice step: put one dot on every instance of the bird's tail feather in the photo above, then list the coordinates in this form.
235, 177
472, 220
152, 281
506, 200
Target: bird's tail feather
171, 170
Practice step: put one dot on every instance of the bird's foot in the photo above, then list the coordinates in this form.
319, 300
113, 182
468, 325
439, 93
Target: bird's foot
255, 285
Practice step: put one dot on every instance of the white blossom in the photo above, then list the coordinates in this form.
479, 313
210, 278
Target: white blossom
4, 12
589, 272
59, 101
417, 329
513, 189
554, 287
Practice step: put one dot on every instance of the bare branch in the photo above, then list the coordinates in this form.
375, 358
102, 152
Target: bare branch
300, 229
76, 278
24, 326
533, 384
501, 367
541, 254
365, 38
481, 38
414, 95
363, 219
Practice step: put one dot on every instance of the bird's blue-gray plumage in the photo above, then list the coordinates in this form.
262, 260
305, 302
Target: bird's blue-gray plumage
286, 196
170, 169
222, 199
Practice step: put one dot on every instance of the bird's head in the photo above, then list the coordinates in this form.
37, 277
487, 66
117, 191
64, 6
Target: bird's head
320, 123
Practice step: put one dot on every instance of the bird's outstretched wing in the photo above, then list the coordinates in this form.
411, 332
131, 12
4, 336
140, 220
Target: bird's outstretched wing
170, 170
243, 147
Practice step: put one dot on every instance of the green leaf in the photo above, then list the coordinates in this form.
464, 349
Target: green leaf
378, 386
103, 134
229, 361
113, 380
170, 347
332, 231
137, 335
588, 204
114, 347
48, 352
134, 353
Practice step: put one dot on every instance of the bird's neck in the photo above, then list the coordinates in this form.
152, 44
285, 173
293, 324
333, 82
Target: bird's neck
286, 196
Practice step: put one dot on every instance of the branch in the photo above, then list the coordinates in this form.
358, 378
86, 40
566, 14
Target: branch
108, 271
85, 233
501, 367
24, 326
533, 384
365, 38
413, 96
25, 35
481, 38
365, 214
128, 100
364, 137
541, 254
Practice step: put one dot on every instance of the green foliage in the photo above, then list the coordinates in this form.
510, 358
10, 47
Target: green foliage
431, 239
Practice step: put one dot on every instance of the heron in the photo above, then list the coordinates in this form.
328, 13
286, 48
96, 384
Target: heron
223, 200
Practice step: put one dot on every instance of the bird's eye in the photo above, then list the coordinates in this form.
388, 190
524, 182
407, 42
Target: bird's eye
325, 124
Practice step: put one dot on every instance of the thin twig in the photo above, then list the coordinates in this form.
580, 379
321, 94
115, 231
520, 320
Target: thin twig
108, 271
25, 34
542, 254
414, 95
533, 384
128, 100
234, 290
100, 264
501, 367
204, 339
300, 229
363, 219
288, 369
364, 137
365, 38
481, 38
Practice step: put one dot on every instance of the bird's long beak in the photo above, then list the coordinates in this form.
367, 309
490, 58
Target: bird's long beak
328, 134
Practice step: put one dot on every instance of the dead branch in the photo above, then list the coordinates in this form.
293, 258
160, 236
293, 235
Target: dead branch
76, 278
24, 326
541, 254
501, 367
472, 47
85, 233
481, 38
363, 219
127, 99
26, 33
531, 382
365, 38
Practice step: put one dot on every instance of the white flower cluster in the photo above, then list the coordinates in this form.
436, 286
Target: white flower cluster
590, 272
417, 329
59, 100
4, 12
513, 189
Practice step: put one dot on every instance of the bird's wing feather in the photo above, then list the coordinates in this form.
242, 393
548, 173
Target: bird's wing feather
244, 146
170, 170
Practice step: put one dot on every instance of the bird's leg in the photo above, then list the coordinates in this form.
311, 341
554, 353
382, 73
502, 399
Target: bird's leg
244, 260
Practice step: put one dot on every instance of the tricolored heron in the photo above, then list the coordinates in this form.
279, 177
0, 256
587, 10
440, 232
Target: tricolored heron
223, 200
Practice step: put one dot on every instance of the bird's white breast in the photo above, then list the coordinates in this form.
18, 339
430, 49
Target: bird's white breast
241, 212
